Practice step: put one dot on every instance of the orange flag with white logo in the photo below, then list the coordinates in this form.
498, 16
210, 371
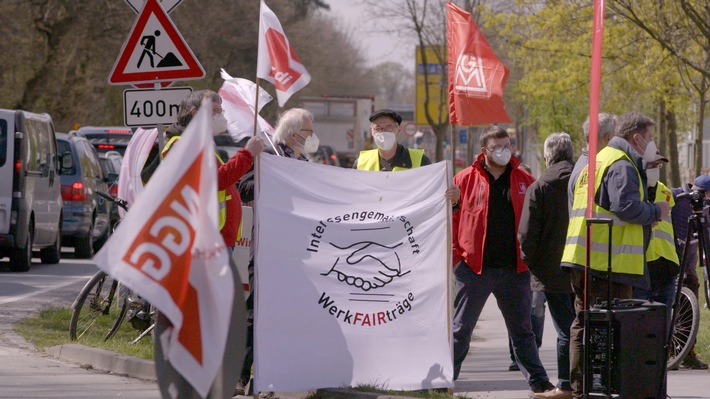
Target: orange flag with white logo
476, 76
169, 251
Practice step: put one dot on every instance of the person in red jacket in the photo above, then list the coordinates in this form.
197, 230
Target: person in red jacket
487, 253
228, 173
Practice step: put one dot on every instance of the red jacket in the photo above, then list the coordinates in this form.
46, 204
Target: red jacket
228, 174
470, 221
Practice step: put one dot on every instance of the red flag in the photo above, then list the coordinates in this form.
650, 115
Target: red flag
476, 76
276, 60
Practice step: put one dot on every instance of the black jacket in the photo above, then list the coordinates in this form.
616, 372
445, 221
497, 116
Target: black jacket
543, 229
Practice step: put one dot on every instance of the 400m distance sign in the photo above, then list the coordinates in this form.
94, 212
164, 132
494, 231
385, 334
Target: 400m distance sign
152, 107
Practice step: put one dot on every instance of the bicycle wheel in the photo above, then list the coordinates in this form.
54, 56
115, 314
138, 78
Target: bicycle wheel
685, 330
97, 310
706, 288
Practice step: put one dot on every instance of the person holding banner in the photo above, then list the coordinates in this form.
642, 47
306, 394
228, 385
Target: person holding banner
621, 194
228, 173
487, 254
293, 137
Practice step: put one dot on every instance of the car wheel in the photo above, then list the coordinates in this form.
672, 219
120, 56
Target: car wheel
51, 255
22, 257
102, 240
83, 247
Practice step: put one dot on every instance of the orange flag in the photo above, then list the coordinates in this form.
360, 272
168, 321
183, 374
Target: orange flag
476, 76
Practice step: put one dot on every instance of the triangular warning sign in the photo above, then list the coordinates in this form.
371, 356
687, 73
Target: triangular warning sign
155, 51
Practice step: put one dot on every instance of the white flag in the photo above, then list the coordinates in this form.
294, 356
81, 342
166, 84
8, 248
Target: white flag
352, 278
168, 249
276, 60
129, 178
239, 97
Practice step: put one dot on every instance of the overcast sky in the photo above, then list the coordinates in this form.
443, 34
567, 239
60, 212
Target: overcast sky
377, 47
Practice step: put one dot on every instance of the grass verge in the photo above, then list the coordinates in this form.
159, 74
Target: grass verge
50, 327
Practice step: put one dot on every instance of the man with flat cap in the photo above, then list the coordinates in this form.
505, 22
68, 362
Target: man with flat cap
389, 155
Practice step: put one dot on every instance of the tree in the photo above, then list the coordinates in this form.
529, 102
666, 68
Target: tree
681, 27
62, 52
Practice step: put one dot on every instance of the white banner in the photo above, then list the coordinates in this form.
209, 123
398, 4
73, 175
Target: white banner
352, 278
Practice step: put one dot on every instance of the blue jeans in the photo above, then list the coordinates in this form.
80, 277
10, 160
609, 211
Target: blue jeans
562, 311
512, 292
537, 318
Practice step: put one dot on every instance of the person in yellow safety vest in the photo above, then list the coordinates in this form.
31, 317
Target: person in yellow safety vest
620, 194
391, 156
661, 255
228, 173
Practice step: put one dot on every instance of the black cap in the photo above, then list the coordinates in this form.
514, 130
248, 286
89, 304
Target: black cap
386, 112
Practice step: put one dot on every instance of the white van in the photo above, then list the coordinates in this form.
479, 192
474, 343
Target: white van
30, 190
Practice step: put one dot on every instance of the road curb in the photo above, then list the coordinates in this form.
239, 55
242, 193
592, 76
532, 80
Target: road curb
101, 359
104, 360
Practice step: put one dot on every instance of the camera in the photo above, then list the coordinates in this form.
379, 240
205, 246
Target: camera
698, 200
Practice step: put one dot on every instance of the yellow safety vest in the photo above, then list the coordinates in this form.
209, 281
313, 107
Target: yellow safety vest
662, 239
370, 160
222, 196
627, 238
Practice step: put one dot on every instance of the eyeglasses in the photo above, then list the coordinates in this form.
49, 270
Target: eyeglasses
218, 111
498, 147
380, 129
307, 130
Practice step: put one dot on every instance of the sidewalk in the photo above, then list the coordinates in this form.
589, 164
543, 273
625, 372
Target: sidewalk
484, 374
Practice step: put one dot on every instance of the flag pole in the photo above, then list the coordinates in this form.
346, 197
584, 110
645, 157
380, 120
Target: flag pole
256, 107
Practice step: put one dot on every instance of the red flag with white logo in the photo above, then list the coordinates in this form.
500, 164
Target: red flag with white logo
276, 61
476, 76
169, 251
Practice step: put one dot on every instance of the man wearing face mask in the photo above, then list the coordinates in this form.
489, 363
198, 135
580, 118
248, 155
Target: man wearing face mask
228, 173
389, 155
620, 194
661, 255
487, 254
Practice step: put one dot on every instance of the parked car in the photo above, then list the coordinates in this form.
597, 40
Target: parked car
107, 138
86, 215
111, 167
30, 197
325, 155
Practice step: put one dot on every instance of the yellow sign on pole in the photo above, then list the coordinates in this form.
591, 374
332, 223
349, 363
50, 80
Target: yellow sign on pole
432, 85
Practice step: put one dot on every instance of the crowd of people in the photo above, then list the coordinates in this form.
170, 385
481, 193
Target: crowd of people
521, 239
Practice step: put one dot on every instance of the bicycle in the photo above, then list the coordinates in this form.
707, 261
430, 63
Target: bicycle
103, 304
685, 317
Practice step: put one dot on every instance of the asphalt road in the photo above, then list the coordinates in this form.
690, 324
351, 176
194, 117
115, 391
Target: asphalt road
25, 373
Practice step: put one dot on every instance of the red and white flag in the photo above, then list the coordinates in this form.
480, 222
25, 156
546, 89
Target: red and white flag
239, 97
168, 250
476, 76
276, 61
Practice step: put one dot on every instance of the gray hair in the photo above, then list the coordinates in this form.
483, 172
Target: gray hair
558, 147
632, 122
291, 121
606, 125
192, 103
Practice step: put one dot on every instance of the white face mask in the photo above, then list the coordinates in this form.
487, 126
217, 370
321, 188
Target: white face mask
310, 144
219, 123
501, 157
649, 155
652, 176
385, 140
